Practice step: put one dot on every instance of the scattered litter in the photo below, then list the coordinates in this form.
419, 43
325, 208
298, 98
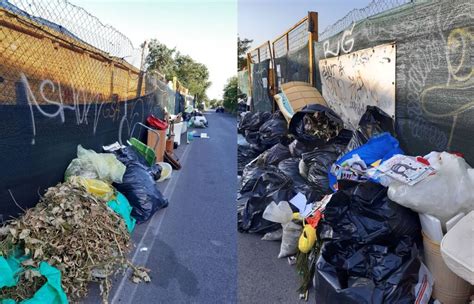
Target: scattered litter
291, 260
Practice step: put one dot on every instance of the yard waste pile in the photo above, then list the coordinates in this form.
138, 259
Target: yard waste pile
347, 204
80, 231
70, 230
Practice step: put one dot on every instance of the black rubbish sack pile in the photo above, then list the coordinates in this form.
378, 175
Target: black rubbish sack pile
290, 167
260, 186
273, 130
316, 164
369, 252
139, 186
252, 121
274, 155
245, 154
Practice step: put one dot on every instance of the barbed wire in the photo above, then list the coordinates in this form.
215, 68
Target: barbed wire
76, 22
373, 8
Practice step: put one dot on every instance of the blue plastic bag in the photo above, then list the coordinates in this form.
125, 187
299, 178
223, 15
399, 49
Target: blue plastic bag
380, 147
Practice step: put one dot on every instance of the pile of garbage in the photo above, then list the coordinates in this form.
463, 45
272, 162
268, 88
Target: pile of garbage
362, 221
80, 231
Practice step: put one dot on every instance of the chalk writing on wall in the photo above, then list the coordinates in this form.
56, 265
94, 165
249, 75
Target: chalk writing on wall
352, 82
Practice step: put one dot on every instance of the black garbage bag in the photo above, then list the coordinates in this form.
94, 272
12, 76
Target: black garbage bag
274, 155
253, 121
290, 167
260, 186
155, 171
297, 148
369, 252
315, 125
272, 131
129, 154
252, 137
138, 185
245, 154
373, 122
316, 165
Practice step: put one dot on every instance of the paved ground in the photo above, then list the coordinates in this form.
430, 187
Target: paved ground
191, 246
263, 278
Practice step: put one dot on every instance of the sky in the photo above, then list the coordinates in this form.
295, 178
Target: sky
205, 30
263, 20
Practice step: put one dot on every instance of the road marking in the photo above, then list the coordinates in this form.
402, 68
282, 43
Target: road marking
151, 231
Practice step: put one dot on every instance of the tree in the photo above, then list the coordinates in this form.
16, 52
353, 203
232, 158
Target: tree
230, 94
193, 75
242, 47
160, 58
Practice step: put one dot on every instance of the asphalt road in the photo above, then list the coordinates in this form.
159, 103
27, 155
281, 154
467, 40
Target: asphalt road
263, 278
191, 246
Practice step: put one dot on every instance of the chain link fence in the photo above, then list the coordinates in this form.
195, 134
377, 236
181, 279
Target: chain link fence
55, 52
261, 53
375, 7
293, 40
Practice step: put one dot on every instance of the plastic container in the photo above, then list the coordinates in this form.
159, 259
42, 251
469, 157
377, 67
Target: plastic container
457, 248
177, 131
166, 171
144, 150
448, 288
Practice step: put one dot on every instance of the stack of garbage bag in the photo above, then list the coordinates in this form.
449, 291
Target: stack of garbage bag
369, 250
260, 131
356, 211
269, 150
128, 172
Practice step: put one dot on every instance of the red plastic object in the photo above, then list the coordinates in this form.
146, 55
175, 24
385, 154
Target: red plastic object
314, 220
156, 123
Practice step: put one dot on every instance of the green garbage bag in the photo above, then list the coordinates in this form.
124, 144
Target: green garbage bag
50, 293
122, 207
10, 269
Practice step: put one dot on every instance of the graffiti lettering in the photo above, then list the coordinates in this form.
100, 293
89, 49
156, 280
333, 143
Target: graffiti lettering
342, 44
83, 105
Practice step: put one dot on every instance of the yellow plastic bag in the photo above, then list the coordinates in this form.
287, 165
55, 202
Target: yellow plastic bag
307, 239
97, 188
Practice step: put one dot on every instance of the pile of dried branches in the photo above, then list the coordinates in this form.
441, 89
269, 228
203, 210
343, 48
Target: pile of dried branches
75, 232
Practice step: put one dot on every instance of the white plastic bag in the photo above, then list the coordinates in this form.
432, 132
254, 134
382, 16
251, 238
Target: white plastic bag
443, 195
280, 213
290, 238
273, 236
283, 214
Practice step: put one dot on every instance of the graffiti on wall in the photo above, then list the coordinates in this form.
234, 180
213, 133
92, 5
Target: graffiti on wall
87, 108
434, 83
260, 97
364, 78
